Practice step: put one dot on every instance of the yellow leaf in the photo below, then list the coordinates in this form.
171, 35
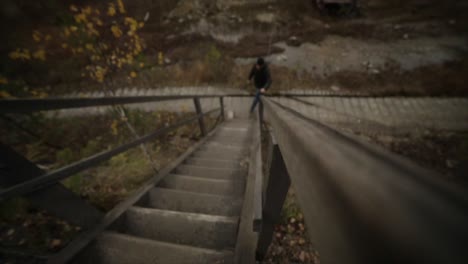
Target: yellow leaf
160, 58
80, 18
20, 54
73, 8
40, 55
73, 28
111, 10
114, 128
3, 80
87, 10
5, 94
133, 74
116, 31
142, 65
64, 45
121, 6
36, 36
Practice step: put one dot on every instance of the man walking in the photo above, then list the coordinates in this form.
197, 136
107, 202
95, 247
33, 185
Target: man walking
262, 79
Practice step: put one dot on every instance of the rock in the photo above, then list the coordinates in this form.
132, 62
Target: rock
147, 16
397, 27
189, 17
282, 57
171, 37
405, 36
327, 26
452, 22
265, 17
181, 20
335, 88
167, 61
375, 71
294, 41
451, 163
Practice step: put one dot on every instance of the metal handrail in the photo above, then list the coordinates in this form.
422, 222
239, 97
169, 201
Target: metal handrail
363, 204
47, 104
67, 171
43, 181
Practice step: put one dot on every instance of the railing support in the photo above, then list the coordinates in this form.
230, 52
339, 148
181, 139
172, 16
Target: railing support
221, 103
201, 121
276, 189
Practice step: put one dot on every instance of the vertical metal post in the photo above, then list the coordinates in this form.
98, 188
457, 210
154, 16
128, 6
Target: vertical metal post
277, 187
221, 103
201, 121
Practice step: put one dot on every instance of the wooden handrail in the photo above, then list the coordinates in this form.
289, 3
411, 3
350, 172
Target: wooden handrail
363, 204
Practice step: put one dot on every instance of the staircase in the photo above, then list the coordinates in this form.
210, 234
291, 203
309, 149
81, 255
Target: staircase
191, 216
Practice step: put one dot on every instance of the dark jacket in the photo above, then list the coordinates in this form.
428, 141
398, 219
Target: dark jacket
261, 77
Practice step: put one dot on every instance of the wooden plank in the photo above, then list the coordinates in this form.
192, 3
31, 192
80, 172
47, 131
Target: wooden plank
258, 187
247, 239
363, 204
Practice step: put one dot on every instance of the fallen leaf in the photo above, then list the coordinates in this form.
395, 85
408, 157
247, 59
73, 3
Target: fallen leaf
302, 256
10, 232
55, 243
301, 241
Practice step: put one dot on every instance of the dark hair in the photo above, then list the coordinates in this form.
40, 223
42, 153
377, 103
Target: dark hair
260, 61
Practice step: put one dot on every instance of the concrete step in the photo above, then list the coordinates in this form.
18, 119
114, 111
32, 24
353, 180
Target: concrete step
191, 202
202, 185
211, 173
199, 230
115, 248
225, 144
223, 150
234, 148
213, 163
231, 136
218, 155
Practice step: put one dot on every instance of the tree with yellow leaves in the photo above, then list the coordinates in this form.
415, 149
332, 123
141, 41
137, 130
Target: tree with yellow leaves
108, 39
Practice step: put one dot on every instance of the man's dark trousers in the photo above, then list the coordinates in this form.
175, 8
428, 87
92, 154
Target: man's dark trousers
257, 100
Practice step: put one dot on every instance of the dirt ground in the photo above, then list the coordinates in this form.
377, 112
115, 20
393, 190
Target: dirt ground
414, 47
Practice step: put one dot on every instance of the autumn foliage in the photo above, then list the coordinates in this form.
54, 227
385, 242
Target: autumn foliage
107, 38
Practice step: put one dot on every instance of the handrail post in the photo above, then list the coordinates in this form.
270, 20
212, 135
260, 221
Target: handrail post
201, 121
277, 186
221, 103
